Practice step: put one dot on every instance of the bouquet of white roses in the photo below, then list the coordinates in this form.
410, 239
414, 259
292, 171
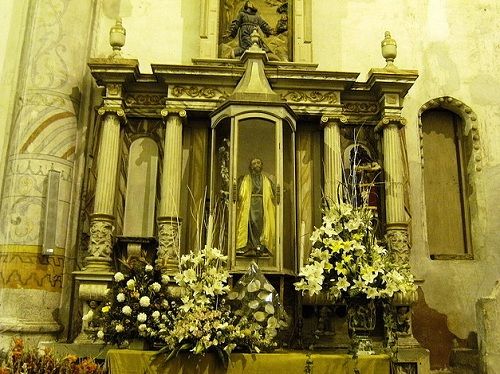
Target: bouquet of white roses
137, 305
347, 261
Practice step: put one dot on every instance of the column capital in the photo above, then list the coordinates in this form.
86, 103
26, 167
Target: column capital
112, 109
172, 112
387, 121
328, 118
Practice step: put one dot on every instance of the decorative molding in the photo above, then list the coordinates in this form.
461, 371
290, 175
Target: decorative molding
101, 237
390, 120
173, 112
114, 90
327, 97
144, 99
326, 119
363, 107
397, 241
108, 109
169, 234
207, 92
470, 121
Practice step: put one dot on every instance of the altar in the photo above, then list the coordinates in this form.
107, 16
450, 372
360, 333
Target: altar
225, 170
125, 361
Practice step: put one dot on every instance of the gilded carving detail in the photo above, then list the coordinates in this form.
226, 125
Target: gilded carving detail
397, 241
145, 100
118, 110
360, 107
310, 96
168, 244
200, 91
101, 239
114, 90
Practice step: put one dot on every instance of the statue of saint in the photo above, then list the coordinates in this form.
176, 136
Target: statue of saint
255, 222
367, 172
245, 23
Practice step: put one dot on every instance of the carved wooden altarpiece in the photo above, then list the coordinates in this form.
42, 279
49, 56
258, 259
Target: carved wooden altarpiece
197, 112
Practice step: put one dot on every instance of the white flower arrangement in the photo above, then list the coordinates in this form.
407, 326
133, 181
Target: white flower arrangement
136, 294
347, 260
140, 306
205, 321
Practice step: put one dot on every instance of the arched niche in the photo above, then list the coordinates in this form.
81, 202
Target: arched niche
139, 217
451, 155
240, 136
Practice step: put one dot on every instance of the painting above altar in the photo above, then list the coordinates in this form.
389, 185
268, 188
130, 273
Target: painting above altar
239, 19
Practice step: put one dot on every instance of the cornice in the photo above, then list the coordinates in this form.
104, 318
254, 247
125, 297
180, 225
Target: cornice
113, 70
382, 81
207, 84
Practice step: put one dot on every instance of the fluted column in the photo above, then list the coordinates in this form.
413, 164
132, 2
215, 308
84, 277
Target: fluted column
397, 235
93, 280
102, 219
332, 162
169, 222
397, 225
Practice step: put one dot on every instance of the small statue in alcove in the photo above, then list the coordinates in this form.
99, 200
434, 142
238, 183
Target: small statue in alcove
245, 23
255, 222
366, 171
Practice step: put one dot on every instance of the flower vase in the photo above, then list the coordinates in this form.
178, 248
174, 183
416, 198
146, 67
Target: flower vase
361, 319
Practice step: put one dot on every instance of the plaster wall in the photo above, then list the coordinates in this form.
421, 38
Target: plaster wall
13, 15
454, 46
158, 31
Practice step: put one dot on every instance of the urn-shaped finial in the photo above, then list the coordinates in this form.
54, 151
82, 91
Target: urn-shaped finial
117, 37
389, 50
255, 37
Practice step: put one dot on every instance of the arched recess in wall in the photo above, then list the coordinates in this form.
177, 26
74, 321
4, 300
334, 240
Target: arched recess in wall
139, 217
451, 155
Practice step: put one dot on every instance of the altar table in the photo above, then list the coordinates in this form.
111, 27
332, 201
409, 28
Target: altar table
125, 361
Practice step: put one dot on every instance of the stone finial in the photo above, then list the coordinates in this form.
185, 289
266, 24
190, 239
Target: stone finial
255, 37
117, 38
389, 50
